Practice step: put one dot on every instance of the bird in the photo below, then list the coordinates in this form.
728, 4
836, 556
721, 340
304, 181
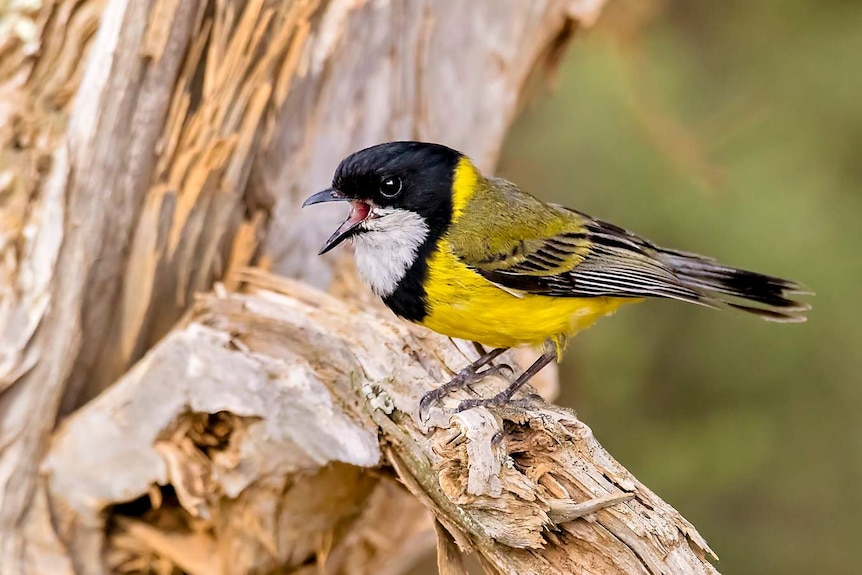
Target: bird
477, 258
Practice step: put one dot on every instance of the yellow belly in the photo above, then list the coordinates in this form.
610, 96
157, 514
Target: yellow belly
463, 304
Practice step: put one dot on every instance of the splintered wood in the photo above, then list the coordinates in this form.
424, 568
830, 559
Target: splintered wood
151, 148
285, 390
195, 223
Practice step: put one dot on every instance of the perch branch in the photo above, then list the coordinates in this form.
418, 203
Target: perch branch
314, 387
147, 148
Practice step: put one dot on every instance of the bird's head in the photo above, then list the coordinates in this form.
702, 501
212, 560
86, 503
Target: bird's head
394, 189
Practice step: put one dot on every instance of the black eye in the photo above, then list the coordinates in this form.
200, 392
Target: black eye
390, 186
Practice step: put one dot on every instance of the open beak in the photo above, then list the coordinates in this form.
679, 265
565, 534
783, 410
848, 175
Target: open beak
359, 212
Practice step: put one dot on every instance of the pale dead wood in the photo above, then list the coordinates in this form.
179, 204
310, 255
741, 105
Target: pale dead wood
140, 163
445, 71
190, 125
314, 389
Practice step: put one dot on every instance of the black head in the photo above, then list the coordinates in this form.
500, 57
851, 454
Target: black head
392, 177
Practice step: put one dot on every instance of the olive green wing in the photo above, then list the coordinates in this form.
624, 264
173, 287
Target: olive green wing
531, 257
537, 248
580, 256
587, 258
510, 233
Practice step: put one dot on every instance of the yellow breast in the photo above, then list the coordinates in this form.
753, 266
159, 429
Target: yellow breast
463, 304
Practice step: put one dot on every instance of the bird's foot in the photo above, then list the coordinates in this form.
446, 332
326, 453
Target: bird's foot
496, 401
499, 400
504, 398
464, 378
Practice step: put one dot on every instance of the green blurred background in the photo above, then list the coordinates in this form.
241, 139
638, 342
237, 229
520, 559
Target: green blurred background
731, 128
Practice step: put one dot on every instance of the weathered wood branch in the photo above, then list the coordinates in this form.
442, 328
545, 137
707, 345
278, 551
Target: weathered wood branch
142, 160
149, 148
310, 389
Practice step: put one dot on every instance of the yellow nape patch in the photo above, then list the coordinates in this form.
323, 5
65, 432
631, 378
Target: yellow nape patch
463, 304
464, 184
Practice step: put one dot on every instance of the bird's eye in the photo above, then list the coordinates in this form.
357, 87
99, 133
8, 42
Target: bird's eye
390, 186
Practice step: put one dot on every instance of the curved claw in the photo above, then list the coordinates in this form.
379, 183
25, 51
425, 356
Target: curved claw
427, 401
464, 378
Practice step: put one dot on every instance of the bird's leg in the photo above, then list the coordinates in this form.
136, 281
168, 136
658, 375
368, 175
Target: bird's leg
549, 355
499, 369
466, 376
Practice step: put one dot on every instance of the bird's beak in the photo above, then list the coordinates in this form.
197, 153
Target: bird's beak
359, 211
327, 195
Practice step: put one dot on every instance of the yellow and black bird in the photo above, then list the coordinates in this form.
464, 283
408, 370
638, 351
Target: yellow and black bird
477, 258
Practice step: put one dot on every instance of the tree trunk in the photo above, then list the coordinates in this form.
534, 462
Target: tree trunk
151, 148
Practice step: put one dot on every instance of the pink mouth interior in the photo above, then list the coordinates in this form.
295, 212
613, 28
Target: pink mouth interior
358, 212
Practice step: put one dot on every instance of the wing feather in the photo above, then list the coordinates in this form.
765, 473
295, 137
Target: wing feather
551, 250
618, 263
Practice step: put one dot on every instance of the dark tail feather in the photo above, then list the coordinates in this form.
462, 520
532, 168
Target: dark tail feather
752, 292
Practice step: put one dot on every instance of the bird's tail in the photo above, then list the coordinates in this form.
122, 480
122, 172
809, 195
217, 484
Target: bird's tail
766, 296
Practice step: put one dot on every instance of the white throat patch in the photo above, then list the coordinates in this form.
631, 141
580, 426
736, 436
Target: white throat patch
388, 247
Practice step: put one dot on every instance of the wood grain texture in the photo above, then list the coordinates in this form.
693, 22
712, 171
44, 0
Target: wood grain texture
445, 71
318, 391
151, 148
